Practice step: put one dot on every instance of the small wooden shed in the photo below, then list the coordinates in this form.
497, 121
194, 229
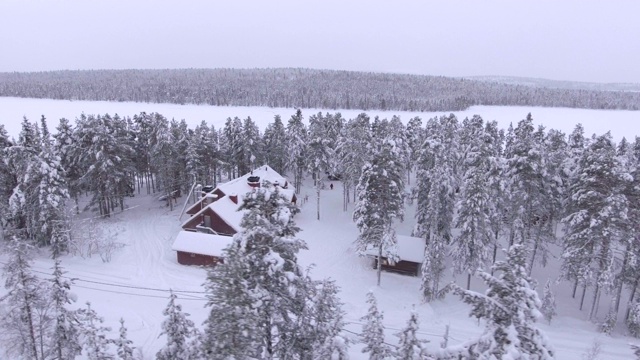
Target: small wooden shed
410, 253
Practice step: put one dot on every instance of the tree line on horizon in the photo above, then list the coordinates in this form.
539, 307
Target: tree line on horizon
301, 88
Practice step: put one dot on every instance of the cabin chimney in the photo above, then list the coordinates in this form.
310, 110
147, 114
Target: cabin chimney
253, 181
233, 197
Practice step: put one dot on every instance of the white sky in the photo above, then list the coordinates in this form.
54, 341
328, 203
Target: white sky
586, 40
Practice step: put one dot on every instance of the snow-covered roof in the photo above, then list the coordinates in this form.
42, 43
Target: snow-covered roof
240, 185
228, 211
201, 243
409, 249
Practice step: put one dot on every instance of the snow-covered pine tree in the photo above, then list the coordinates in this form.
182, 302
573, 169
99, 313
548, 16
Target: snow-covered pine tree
320, 153
435, 195
124, 346
409, 346
525, 172
548, 307
596, 219
233, 138
64, 139
328, 318
26, 318
275, 145
494, 138
352, 154
380, 202
297, 145
94, 336
470, 249
178, 330
52, 194
373, 332
107, 161
231, 327
251, 144
165, 158
7, 178
414, 135
510, 307
65, 341
252, 295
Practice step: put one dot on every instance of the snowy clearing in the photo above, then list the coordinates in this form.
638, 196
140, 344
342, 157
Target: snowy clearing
620, 122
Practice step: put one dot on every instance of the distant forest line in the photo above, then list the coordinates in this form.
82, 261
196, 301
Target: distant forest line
300, 88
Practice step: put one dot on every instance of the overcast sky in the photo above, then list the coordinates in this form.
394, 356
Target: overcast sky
586, 40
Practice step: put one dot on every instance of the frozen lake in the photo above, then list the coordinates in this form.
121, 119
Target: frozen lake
620, 122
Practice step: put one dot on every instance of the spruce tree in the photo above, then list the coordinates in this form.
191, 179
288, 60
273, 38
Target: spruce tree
297, 147
409, 346
26, 319
597, 217
178, 330
124, 347
352, 152
94, 335
475, 207
373, 332
65, 338
380, 202
275, 145
510, 307
256, 285
328, 318
435, 193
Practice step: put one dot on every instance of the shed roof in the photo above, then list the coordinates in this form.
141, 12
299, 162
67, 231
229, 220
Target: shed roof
200, 243
410, 248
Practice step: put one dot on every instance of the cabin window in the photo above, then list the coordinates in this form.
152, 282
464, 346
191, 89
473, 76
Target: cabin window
207, 221
385, 262
192, 255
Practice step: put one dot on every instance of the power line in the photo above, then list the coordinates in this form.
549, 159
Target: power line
133, 294
120, 285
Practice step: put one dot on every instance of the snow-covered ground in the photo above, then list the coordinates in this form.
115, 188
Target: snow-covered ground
134, 285
621, 123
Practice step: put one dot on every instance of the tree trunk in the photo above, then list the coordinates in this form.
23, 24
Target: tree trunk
575, 287
584, 291
495, 248
633, 294
533, 256
594, 304
379, 270
29, 313
620, 280
469, 281
318, 200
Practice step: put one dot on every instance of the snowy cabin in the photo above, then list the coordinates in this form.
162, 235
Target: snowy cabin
217, 211
216, 214
410, 254
200, 249
242, 185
